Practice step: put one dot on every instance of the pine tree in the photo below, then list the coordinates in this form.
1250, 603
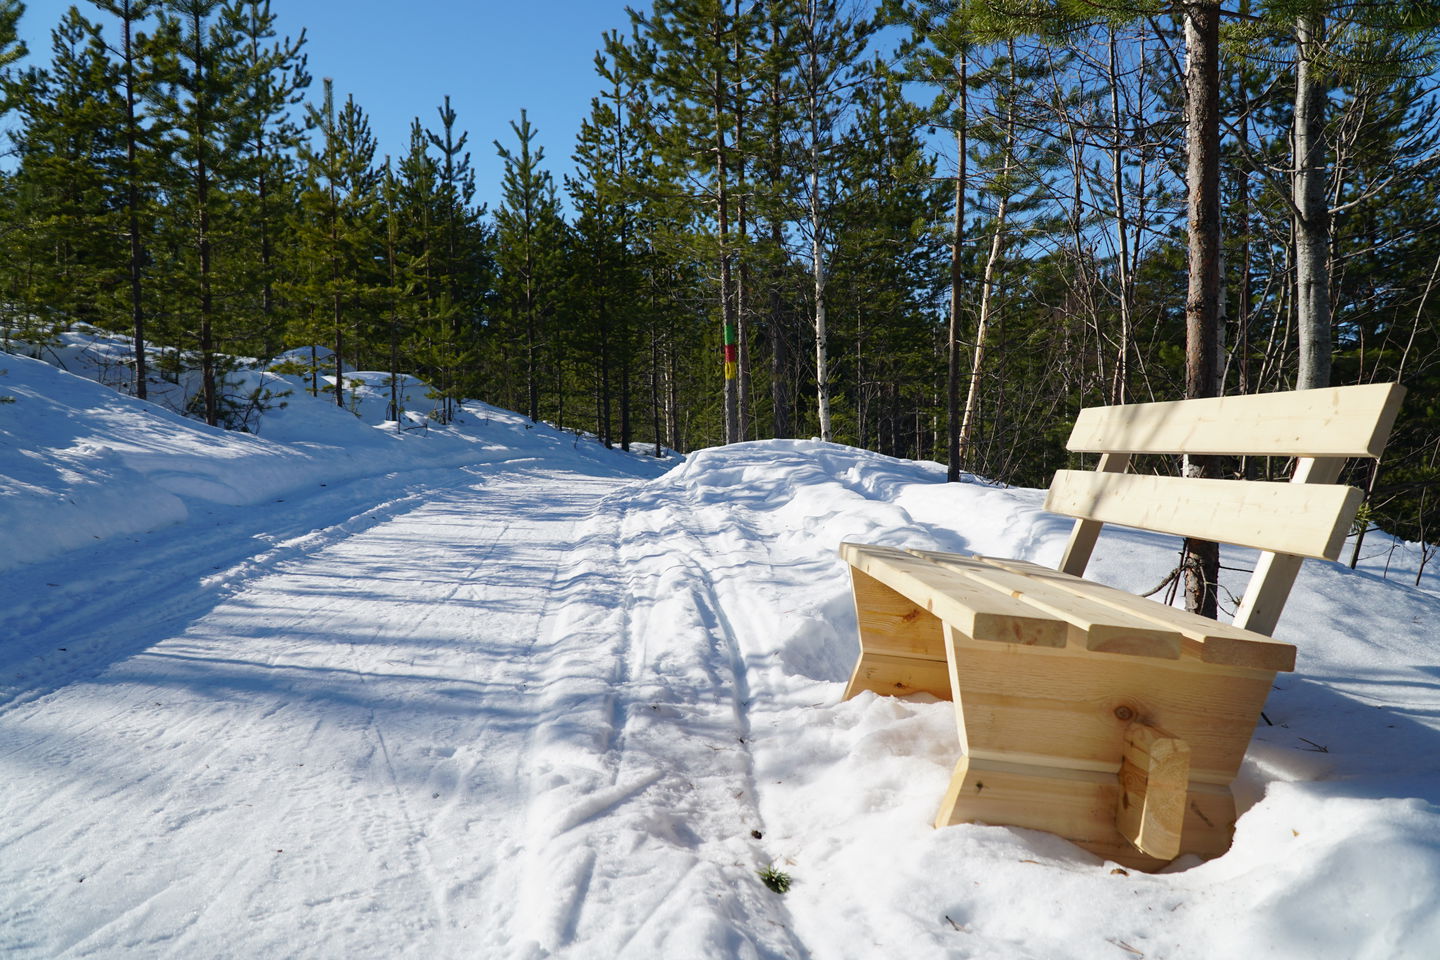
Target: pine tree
462, 267
608, 155
12, 273
270, 177
198, 105
689, 56
938, 53
12, 48
528, 236
401, 290
776, 115
340, 226
136, 173
829, 43
67, 148
890, 253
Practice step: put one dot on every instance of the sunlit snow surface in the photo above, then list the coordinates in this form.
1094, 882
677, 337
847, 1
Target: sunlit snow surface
492, 690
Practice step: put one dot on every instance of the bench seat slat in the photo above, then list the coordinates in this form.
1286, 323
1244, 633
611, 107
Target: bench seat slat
1330, 422
1208, 640
1106, 629
980, 612
1303, 519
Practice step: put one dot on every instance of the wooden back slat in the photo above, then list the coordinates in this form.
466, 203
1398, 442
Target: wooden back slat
1330, 422
1308, 520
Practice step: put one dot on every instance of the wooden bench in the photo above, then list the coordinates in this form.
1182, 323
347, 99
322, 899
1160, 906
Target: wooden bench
1107, 718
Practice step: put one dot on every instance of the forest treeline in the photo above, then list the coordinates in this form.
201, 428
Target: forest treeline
933, 228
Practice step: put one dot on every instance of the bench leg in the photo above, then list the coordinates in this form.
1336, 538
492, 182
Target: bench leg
902, 648
1080, 806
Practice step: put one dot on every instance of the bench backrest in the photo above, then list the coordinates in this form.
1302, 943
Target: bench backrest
1307, 517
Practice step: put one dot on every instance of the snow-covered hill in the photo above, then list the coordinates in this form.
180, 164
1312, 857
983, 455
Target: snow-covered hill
491, 690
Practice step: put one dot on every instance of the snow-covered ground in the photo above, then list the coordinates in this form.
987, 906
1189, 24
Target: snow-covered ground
492, 690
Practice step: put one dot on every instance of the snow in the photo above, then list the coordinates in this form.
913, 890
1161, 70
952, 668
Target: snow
489, 689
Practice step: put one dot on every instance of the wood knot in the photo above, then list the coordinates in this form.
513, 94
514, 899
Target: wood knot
1123, 712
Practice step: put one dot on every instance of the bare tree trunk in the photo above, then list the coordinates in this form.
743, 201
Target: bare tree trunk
1243, 294
132, 198
1202, 302
987, 282
672, 394
1312, 220
1120, 386
727, 299
603, 411
656, 406
952, 346
822, 369
779, 345
982, 330
742, 281
336, 315
339, 347
532, 370
817, 247
779, 389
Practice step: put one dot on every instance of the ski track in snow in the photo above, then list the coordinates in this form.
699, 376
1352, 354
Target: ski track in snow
431, 712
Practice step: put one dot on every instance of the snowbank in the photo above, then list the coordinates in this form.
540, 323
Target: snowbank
81, 463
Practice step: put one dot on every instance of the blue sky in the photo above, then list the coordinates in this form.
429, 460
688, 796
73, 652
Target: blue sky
400, 59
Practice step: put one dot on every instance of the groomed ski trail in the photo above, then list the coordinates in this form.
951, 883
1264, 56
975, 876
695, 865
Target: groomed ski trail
481, 719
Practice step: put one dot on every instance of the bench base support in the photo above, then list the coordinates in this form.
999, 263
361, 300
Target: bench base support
1078, 805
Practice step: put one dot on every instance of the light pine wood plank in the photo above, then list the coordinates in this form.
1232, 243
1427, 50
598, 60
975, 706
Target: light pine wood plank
1275, 573
1079, 806
1097, 627
1301, 519
1085, 532
1206, 640
1069, 708
893, 624
1331, 422
1269, 588
898, 676
978, 611
1154, 780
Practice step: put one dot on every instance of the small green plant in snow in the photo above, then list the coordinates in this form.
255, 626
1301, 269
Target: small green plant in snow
774, 879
